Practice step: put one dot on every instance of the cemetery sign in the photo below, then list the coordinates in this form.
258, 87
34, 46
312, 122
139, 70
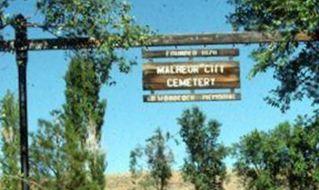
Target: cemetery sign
191, 75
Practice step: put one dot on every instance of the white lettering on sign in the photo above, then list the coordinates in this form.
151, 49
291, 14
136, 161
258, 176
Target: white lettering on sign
191, 97
190, 82
189, 69
209, 52
190, 53
172, 98
177, 69
180, 53
209, 97
214, 69
191, 75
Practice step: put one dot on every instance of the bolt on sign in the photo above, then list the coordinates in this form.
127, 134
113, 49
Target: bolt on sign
191, 75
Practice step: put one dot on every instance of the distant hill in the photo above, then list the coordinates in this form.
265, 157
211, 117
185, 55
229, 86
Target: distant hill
124, 182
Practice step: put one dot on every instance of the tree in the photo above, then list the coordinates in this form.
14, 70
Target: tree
283, 158
135, 155
204, 165
9, 159
67, 151
159, 159
253, 154
83, 114
48, 157
295, 64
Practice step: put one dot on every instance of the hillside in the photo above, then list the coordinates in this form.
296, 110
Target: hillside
123, 182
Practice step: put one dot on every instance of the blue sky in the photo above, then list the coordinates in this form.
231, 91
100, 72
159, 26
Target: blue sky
129, 121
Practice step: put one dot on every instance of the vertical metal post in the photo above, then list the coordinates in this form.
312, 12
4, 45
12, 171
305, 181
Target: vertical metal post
21, 46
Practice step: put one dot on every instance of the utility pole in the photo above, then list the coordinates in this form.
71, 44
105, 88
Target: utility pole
21, 45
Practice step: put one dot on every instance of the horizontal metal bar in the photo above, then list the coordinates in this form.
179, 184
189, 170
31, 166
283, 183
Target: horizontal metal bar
160, 40
64, 44
7, 46
53, 44
224, 38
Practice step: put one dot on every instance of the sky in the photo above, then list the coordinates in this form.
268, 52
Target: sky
128, 120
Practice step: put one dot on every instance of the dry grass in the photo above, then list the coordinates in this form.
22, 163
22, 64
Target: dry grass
123, 182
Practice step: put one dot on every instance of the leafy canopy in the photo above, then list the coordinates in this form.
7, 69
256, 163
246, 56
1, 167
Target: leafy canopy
10, 141
66, 152
295, 64
106, 20
204, 165
283, 158
158, 159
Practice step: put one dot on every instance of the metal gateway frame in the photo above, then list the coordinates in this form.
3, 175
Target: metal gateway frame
21, 45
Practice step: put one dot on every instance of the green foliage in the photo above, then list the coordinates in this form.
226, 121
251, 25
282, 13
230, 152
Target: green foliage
204, 165
135, 155
89, 18
108, 20
66, 152
295, 64
140, 179
159, 159
4, 19
83, 114
47, 155
285, 157
10, 138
